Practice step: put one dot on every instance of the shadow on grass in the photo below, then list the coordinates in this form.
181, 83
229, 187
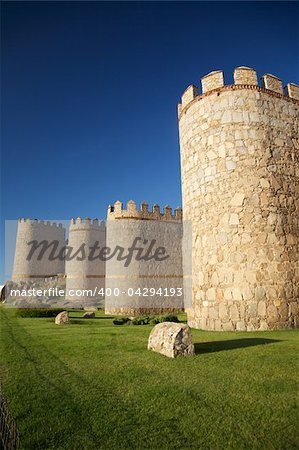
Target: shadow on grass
92, 318
219, 346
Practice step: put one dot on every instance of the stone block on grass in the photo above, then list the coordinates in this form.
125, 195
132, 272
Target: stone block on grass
62, 318
171, 339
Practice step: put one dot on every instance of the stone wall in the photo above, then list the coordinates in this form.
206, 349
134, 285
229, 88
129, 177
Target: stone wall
33, 268
239, 159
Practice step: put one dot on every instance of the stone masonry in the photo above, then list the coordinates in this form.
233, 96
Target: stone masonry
239, 159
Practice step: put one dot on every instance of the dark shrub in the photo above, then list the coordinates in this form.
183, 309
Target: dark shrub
142, 320
169, 318
145, 320
35, 312
129, 322
154, 321
120, 320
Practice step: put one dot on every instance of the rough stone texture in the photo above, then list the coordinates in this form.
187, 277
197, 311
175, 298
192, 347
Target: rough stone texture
245, 75
171, 339
212, 81
272, 83
190, 93
34, 269
62, 318
239, 159
89, 315
292, 90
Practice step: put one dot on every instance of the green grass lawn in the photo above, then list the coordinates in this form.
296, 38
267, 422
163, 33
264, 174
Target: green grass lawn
94, 385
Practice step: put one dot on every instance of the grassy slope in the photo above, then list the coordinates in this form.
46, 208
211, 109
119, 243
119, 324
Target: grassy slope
93, 385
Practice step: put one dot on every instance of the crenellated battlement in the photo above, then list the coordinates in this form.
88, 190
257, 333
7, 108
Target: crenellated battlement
244, 78
86, 223
45, 223
131, 212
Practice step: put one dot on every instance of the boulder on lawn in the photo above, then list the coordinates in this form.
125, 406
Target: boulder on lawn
89, 315
171, 339
62, 318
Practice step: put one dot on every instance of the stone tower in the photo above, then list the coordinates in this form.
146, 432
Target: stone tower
128, 286
40, 264
239, 159
85, 272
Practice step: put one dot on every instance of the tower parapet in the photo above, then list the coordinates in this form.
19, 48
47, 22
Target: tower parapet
245, 75
272, 83
213, 80
45, 223
292, 90
244, 78
95, 224
131, 212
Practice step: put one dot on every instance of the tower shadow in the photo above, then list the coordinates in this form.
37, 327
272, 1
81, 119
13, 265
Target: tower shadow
219, 346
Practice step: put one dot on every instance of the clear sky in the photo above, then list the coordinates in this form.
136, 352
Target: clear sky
89, 94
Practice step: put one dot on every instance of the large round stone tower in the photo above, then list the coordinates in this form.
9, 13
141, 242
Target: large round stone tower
38, 246
239, 160
138, 279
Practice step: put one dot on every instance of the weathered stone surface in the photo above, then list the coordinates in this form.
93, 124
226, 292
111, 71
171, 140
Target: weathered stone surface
171, 339
239, 159
273, 83
237, 199
62, 318
213, 80
245, 75
89, 315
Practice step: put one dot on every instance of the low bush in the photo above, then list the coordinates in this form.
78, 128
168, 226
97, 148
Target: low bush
142, 320
169, 318
38, 312
121, 320
145, 320
154, 321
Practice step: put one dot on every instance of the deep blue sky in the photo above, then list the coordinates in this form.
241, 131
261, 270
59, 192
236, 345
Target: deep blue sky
89, 94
